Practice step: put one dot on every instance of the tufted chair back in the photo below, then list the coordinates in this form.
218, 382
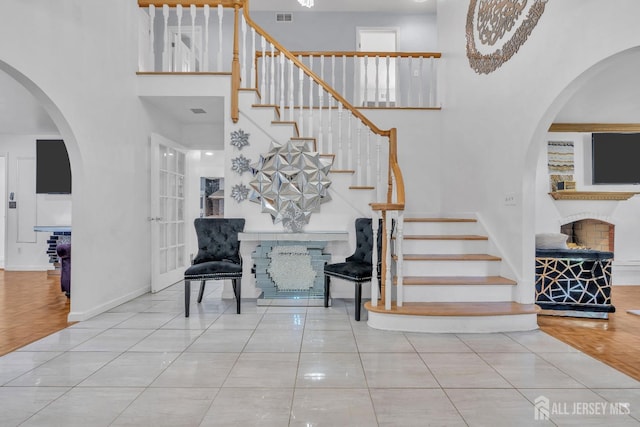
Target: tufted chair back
218, 239
364, 241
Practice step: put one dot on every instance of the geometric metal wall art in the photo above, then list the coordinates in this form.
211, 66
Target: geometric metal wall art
497, 28
290, 182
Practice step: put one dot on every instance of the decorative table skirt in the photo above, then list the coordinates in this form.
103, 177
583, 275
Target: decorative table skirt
574, 282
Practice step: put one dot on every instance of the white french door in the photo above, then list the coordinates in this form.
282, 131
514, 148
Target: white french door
168, 250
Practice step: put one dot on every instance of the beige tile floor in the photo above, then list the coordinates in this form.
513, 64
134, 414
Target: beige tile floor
145, 364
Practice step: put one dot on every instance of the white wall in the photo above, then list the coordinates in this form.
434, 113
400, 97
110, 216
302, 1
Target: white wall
494, 126
83, 73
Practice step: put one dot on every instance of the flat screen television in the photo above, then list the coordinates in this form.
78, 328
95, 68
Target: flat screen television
53, 171
615, 158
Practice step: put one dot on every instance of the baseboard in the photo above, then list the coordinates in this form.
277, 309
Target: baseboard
625, 273
27, 267
79, 316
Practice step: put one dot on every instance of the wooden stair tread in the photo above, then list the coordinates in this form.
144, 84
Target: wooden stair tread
440, 220
455, 280
448, 257
361, 187
342, 171
456, 308
443, 237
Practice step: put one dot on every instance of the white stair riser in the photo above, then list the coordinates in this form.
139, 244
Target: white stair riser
441, 228
451, 268
259, 114
457, 293
453, 324
444, 246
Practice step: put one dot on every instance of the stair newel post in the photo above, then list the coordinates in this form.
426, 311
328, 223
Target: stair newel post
388, 80
235, 69
377, 65
152, 18
366, 81
254, 72
387, 251
399, 257
272, 82
166, 64
219, 58
320, 105
301, 97
243, 60
375, 283
291, 98
281, 71
177, 48
263, 79
204, 60
340, 153
192, 61
311, 97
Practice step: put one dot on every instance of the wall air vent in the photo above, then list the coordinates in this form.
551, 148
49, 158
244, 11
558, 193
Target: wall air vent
284, 17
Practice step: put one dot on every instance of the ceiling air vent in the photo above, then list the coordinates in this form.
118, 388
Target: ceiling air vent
198, 111
284, 17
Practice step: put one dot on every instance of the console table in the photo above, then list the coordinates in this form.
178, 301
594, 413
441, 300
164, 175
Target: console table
58, 234
289, 267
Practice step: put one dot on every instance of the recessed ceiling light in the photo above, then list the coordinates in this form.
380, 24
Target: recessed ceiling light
208, 153
198, 111
419, 1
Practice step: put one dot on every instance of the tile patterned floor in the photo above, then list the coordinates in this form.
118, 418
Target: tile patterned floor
144, 364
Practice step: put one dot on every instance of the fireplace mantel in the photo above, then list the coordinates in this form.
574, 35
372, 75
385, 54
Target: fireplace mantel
592, 195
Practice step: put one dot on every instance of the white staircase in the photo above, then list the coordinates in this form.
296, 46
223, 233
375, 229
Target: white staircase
451, 283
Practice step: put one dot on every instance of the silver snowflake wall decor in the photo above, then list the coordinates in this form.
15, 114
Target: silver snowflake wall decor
239, 139
240, 164
290, 182
239, 192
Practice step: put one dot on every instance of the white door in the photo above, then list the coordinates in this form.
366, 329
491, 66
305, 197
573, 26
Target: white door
168, 251
377, 78
3, 207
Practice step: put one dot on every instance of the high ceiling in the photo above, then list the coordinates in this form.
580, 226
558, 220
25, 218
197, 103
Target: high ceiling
428, 6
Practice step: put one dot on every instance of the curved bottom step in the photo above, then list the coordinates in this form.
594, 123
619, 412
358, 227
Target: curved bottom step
458, 317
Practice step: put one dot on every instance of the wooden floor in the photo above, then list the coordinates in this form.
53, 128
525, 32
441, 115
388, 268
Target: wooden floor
32, 306
615, 341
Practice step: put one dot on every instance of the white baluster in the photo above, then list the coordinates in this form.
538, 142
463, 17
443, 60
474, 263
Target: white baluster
359, 171
366, 81
340, 153
367, 179
301, 97
350, 141
410, 83
219, 59
433, 83
321, 146
177, 49
375, 292
204, 59
281, 86
378, 174
272, 82
311, 103
263, 79
152, 18
356, 81
192, 61
166, 56
344, 77
243, 57
291, 98
387, 281
377, 65
388, 80
330, 126
400, 259
333, 77
253, 60
420, 79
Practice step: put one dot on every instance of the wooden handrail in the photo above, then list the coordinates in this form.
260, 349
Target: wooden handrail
361, 54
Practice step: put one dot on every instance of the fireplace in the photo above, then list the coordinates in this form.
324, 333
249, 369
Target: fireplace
590, 234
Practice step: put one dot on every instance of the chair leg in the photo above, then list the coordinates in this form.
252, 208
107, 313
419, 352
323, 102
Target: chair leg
201, 293
358, 299
237, 292
327, 290
187, 297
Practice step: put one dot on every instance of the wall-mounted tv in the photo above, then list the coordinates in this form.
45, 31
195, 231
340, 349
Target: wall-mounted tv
615, 158
53, 171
